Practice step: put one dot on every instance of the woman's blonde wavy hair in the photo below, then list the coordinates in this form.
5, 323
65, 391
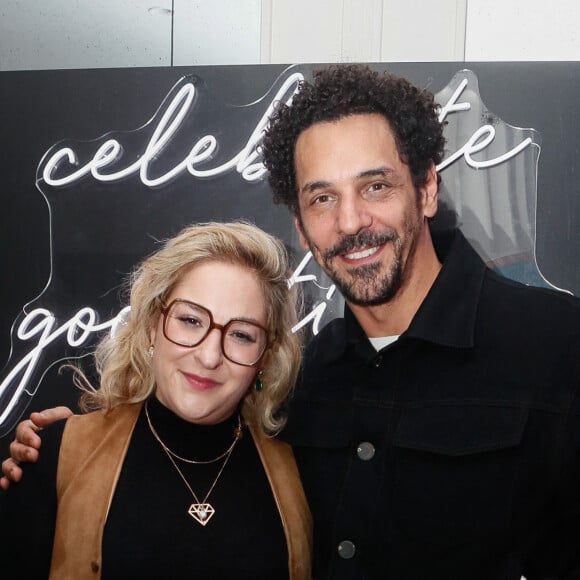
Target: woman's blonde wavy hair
122, 358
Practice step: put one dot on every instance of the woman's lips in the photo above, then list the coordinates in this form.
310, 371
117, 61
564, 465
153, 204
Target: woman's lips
198, 382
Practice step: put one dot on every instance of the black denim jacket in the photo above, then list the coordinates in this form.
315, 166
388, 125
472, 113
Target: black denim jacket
453, 453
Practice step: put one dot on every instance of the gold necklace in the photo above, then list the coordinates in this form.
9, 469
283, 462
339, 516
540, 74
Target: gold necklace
202, 511
237, 435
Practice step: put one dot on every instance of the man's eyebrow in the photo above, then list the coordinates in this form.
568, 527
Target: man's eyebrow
376, 172
312, 186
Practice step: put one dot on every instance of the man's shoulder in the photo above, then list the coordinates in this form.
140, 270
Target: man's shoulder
331, 338
529, 304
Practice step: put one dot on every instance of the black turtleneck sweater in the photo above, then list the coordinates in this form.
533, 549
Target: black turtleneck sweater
148, 533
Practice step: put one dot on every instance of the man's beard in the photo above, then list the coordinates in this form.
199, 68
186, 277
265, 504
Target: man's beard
367, 285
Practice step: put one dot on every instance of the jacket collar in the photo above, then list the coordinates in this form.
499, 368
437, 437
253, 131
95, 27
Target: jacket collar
448, 314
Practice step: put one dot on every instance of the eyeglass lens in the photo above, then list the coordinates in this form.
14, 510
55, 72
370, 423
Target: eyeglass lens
187, 324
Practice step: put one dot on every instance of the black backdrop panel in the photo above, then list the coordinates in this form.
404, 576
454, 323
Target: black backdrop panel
67, 247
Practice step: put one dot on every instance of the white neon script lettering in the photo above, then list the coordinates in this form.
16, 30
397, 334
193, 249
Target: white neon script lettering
315, 316
109, 153
41, 323
479, 140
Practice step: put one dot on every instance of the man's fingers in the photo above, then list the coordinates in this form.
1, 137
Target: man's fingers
26, 430
11, 471
26, 435
22, 453
49, 416
25, 447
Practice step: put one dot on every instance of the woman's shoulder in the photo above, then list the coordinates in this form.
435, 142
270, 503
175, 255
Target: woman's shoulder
38, 484
51, 441
103, 419
28, 512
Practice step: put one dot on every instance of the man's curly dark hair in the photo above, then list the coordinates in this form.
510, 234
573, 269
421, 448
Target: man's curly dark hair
341, 90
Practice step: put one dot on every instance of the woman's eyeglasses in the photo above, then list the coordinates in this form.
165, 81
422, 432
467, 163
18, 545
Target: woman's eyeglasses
187, 324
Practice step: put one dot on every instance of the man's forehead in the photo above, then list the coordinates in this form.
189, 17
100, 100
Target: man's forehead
345, 122
354, 147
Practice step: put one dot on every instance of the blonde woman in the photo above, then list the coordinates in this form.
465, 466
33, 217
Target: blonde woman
175, 473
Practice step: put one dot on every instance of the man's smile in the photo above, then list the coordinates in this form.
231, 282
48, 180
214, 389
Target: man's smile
360, 254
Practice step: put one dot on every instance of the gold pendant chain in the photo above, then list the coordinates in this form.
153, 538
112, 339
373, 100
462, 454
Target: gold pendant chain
202, 511
237, 435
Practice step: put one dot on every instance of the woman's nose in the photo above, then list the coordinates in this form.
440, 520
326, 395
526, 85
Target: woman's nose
209, 351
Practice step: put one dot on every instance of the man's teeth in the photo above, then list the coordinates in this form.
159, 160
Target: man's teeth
361, 254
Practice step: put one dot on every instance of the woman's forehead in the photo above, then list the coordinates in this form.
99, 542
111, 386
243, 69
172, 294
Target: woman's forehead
227, 290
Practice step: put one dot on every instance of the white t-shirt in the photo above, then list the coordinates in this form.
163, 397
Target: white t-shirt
382, 341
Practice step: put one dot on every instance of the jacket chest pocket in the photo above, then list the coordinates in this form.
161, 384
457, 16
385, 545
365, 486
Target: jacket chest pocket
455, 469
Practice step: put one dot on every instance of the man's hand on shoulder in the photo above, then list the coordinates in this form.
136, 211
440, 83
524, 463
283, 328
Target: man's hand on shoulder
25, 446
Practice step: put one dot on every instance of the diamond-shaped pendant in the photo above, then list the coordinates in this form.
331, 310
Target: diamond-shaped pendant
201, 512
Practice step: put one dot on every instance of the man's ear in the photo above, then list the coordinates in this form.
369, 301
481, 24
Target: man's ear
430, 193
298, 226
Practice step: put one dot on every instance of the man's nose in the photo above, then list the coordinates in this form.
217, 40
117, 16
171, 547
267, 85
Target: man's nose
353, 215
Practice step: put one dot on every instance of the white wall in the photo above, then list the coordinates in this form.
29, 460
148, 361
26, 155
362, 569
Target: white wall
217, 32
44, 34
523, 30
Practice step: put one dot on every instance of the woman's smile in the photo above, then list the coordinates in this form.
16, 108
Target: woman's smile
199, 382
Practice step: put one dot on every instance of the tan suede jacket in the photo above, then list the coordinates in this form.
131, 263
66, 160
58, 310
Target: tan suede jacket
91, 456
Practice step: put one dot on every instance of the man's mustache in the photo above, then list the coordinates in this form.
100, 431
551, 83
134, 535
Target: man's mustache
357, 241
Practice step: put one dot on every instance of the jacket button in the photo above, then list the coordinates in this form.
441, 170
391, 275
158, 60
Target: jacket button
365, 451
346, 549
95, 566
378, 361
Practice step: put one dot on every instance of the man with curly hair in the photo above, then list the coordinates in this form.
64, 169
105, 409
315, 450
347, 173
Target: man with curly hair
436, 425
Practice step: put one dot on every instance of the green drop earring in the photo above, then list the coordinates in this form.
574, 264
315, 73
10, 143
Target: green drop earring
259, 384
